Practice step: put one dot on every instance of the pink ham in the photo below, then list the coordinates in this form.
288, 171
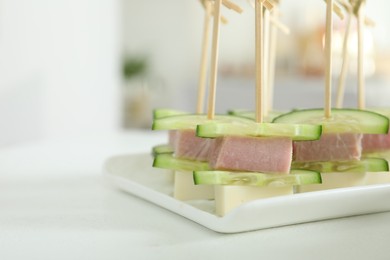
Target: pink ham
172, 137
189, 146
331, 147
375, 142
252, 154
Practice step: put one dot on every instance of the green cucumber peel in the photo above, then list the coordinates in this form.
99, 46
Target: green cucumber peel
168, 161
380, 154
380, 110
296, 177
341, 120
192, 120
166, 112
162, 149
361, 166
252, 115
297, 132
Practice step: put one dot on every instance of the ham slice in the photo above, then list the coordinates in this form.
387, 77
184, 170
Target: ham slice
271, 155
331, 147
375, 142
188, 146
172, 137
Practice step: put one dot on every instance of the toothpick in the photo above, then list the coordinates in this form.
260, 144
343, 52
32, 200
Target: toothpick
224, 20
337, 10
266, 60
272, 59
356, 6
369, 22
278, 24
344, 3
345, 64
214, 59
203, 64
232, 6
259, 56
251, 3
328, 55
361, 83
268, 4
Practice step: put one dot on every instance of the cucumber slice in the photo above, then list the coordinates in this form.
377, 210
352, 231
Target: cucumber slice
191, 121
381, 110
382, 154
296, 177
251, 115
362, 166
165, 112
237, 112
167, 161
294, 131
161, 149
342, 120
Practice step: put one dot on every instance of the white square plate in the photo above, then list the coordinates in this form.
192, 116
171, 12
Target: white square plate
135, 174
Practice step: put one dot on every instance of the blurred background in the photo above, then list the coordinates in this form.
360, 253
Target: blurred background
82, 67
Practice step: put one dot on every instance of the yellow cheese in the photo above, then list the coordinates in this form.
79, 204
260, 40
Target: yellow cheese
334, 180
185, 189
230, 197
377, 178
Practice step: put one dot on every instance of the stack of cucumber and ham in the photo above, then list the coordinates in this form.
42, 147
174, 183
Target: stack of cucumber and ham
233, 159
377, 146
341, 146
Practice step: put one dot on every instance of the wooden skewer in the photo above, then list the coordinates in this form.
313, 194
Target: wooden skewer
272, 59
232, 6
259, 55
345, 64
203, 64
251, 3
369, 22
214, 59
265, 70
266, 61
356, 6
328, 55
277, 23
344, 3
337, 10
268, 4
361, 83
223, 19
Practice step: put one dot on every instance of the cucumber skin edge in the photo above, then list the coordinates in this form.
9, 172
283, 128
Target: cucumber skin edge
386, 130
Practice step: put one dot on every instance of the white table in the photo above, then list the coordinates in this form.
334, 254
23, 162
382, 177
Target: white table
54, 204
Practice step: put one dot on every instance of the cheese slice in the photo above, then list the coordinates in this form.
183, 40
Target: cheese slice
378, 178
185, 189
229, 197
334, 180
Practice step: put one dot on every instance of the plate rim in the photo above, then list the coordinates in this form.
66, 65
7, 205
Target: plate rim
227, 223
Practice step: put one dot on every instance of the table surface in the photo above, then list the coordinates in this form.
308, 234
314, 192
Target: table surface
55, 204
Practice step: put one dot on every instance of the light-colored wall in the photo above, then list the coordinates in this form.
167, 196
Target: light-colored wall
59, 68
